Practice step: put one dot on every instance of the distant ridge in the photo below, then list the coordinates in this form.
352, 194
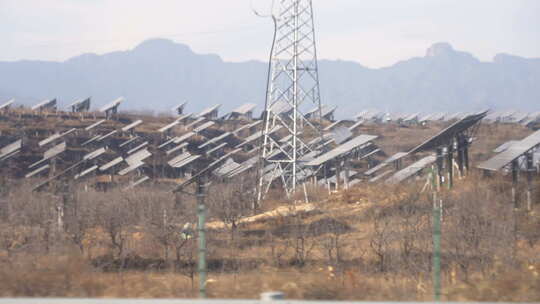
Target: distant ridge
158, 73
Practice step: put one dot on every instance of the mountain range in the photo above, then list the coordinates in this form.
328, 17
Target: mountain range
158, 74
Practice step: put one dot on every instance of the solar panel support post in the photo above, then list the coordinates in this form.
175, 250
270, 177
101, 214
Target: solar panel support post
515, 175
440, 161
530, 167
201, 229
460, 154
450, 165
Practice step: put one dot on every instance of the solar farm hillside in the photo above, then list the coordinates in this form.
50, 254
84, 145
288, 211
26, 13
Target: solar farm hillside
92, 205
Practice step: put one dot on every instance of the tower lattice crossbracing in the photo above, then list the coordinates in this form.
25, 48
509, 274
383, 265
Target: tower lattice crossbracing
293, 88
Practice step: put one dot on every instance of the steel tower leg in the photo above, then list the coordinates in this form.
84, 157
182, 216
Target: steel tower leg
293, 86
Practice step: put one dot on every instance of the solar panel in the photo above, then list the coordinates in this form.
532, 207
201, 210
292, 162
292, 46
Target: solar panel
341, 135
248, 164
216, 148
204, 126
229, 166
169, 126
196, 121
14, 146
179, 107
92, 126
373, 152
107, 135
111, 164
179, 147
179, 158
209, 110
183, 138
37, 171
248, 126
356, 125
131, 168
257, 135
215, 140
7, 104
443, 137
204, 171
137, 182
380, 176
332, 125
280, 107
127, 142
387, 161
55, 137
504, 146
137, 148
80, 105
132, 125
46, 104
185, 161
91, 140
411, 170
513, 152
245, 108
342, 149
137, 157
54, 151
86, 172
94, 154
112, 105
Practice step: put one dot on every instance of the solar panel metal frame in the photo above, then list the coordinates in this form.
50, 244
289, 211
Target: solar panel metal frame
180, 106
341, 135
257, 135
518, 149
184, 137
229, 166
411, 170
92, 126
178, 158
54, 151
7, 104
342, 149
169, 126
356, 125
448, 133
132, 125
37, 171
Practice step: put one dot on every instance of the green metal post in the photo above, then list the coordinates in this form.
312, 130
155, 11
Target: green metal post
436, 251
436, 240
201, 229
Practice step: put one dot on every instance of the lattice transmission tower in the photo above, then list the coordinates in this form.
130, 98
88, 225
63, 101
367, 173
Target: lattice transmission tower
293, 87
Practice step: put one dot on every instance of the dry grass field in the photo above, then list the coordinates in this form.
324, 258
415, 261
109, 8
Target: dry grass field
370, 242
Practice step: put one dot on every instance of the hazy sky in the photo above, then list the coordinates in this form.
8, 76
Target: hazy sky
373, 32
